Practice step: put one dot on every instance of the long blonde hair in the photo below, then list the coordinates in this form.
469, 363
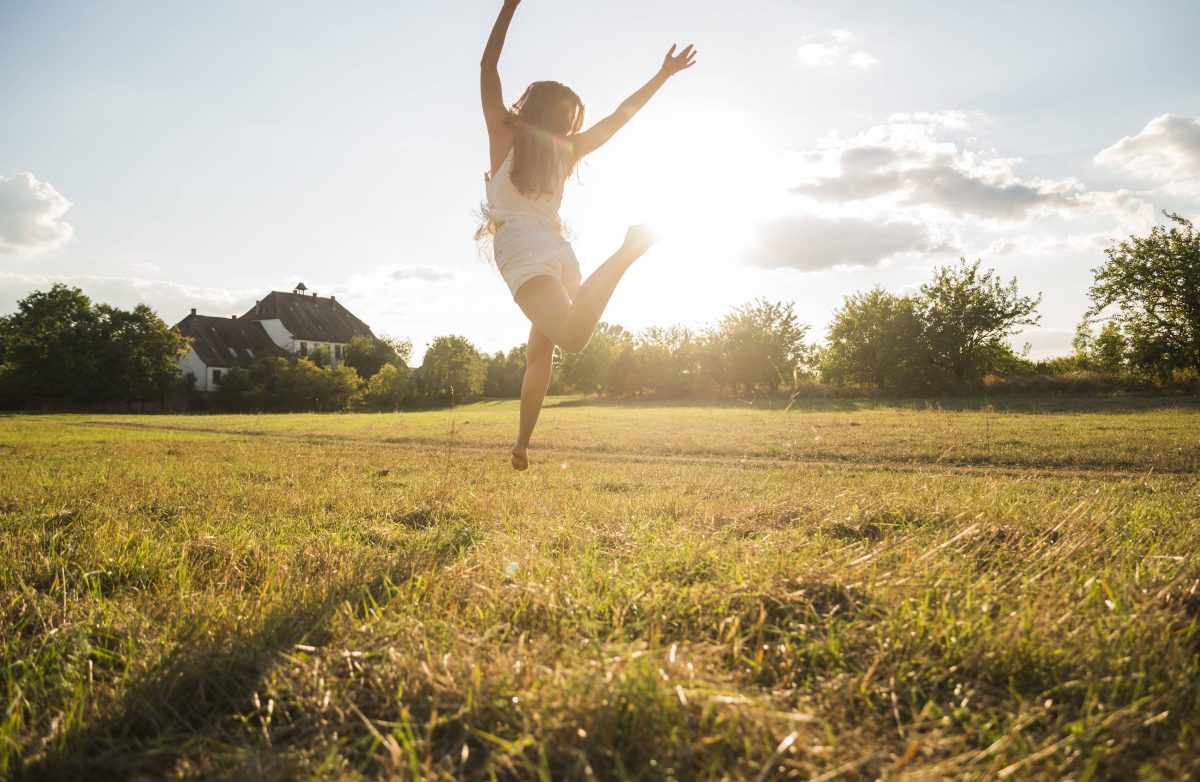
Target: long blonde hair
543, 120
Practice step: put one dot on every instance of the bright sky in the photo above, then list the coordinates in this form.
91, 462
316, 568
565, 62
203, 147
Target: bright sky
203, 154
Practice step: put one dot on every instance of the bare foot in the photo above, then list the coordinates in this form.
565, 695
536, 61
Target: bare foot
520, 459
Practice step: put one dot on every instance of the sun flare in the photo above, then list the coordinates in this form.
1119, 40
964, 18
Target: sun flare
703, 183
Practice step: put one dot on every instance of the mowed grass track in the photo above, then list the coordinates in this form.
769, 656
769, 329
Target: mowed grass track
844, 590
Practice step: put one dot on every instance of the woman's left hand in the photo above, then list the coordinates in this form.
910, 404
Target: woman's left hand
674, 63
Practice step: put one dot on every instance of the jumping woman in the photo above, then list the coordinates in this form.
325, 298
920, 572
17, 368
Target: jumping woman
535, 146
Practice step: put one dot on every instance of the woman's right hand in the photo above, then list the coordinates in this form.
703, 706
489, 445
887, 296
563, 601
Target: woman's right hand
639, 239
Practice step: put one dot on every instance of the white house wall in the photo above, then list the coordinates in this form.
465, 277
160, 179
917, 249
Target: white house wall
192, 363
280, 335
212, 380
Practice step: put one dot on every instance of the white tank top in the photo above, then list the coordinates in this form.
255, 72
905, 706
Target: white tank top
506, 202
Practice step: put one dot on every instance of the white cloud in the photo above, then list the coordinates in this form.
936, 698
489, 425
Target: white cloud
409, 300
391, 307
29, 216
143, 267
909, 161
170, 300
922, 183
920, 122
811, 242
862, 60
1167, 150
422, 273
832, 49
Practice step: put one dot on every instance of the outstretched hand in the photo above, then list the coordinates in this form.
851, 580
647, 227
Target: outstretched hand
639, 239
674, 63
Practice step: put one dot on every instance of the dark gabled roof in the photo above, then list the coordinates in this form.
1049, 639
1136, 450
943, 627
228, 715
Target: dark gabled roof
311, 318
228, 342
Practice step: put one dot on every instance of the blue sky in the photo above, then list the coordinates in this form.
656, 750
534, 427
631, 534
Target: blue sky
212, 152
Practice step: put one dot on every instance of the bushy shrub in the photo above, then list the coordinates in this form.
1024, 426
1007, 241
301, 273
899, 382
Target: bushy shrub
287, 385
388, 389
1080, 381
452, 372
368, 355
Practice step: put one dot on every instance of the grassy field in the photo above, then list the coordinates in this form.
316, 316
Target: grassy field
843, 591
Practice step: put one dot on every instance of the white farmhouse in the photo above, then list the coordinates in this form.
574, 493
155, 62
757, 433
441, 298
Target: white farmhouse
282, 324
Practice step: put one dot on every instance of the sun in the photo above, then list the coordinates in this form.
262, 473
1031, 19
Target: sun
704, 180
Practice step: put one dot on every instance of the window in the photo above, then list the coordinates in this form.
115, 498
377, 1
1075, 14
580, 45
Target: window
337, 352
304, 348
216, 377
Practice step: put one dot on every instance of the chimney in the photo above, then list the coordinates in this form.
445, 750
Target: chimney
233, 317
193, 310
256, 303
314, 295
333, 298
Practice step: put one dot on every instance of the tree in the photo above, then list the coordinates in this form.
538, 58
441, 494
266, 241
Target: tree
402, 347
369, 354
1153, 282
320, 355
1104, 351
874, 340
138, 354
588, 371
505, 372
49, 346
288, 385
58, 347
305, 385
339, 386
670, 360
452, 371
626, 374
762, 343
238, 391
388, 389
966, 317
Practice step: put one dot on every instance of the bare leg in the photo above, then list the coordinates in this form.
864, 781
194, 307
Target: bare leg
569, 324
564, 312
539, 364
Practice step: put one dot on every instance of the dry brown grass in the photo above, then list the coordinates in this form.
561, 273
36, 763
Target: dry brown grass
671, 593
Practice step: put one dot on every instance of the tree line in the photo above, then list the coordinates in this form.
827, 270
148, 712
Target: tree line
1142, 331
951, 336
60, 349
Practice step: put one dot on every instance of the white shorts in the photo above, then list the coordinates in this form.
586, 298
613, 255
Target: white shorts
525, 249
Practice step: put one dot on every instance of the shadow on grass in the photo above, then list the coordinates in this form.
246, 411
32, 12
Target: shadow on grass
181, 701
201, 694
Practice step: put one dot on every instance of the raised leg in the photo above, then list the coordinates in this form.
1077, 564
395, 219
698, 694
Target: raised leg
569, 324
564, 313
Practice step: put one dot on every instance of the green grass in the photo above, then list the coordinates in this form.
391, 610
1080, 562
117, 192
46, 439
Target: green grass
845, 590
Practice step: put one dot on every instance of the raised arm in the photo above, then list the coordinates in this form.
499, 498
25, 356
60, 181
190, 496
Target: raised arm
494, 111
596, 136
